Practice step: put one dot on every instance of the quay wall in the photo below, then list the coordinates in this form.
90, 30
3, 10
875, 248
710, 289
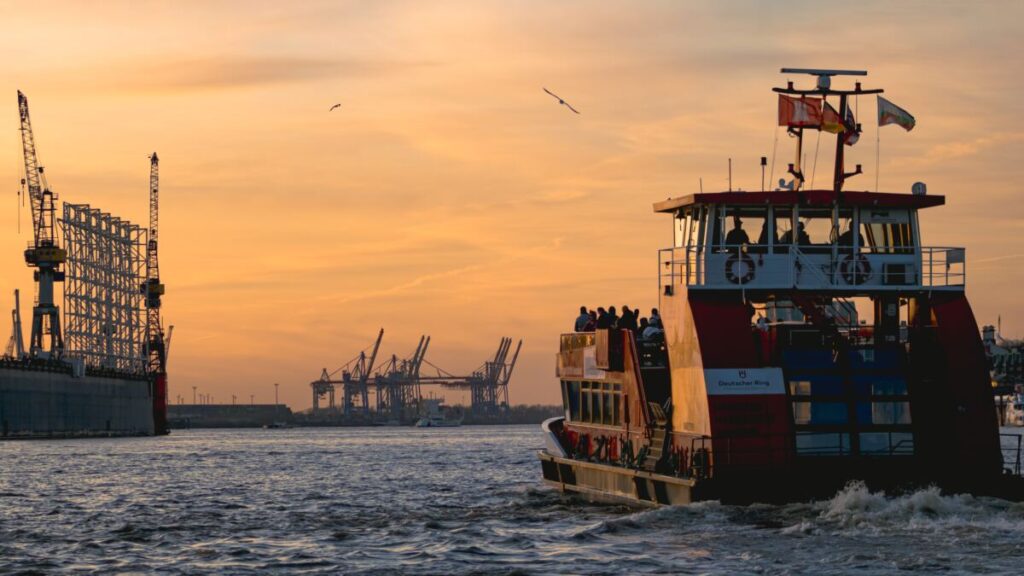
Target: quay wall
42, 404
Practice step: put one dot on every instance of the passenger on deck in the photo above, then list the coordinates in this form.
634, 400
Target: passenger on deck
582, 319
641, 326
762, 323
653, 330
591, 322
802, 238
613, 317
846, 238
604, 320
737, 236
628, 319
655, 315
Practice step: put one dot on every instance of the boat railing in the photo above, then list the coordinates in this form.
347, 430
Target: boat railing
811, 268
576, 341
1010, 445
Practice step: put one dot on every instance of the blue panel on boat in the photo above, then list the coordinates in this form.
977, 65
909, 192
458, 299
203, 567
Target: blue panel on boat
883, 385
807, 359
873, 359
815, 385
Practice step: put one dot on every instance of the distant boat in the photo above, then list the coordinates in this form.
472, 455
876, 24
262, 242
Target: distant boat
276, 425
434, 415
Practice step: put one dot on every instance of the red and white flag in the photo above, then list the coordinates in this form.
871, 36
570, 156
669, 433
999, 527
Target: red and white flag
799, 112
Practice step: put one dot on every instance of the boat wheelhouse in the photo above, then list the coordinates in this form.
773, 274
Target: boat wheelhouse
810, 338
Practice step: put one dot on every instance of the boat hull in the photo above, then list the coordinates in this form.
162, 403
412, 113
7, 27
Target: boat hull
46, 404
605, 483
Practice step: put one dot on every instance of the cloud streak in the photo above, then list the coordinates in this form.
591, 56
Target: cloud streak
182, 73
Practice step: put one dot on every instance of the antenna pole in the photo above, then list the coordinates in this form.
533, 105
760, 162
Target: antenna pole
798, 170
840, 169
730, 174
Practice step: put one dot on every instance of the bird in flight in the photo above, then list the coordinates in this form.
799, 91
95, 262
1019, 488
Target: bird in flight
333, 107
560, 101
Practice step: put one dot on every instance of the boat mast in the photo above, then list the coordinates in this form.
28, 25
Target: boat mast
824, 89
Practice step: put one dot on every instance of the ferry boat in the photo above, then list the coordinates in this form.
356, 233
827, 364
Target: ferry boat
830, 345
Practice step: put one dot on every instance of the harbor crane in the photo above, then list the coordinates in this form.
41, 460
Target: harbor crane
487, 385
16, 346
152, 289
397, 383
43, 254
354, 382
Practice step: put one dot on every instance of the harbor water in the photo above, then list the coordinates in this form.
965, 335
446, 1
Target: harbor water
438, 501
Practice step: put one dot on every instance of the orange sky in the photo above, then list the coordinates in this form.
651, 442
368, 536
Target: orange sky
449, 195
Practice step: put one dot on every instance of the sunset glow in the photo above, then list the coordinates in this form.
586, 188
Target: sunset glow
448, 194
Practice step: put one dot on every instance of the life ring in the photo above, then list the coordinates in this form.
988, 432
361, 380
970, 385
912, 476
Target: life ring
739, 268
855, 268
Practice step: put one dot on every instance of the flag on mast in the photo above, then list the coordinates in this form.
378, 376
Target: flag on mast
889, 113
852, 130
830, 120
799, 112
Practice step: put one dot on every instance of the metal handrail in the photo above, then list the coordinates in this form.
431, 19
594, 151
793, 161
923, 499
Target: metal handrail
936, 266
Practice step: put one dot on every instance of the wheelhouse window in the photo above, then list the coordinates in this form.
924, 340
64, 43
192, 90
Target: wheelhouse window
687, 227
743, 226
887, 231
848, 240
782, 217
815, 230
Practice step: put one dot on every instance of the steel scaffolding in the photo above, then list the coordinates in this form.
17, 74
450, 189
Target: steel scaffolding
104, 319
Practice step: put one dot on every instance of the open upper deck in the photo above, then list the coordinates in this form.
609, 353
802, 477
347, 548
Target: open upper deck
849, 242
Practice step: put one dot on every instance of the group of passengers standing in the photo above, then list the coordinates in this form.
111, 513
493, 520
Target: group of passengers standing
643, 328
738, 236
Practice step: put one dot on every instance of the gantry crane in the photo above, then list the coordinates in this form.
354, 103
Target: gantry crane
356, 382
44, 254
397, 383
488, 385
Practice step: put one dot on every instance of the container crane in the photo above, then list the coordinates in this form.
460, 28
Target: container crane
356, 382
44, 254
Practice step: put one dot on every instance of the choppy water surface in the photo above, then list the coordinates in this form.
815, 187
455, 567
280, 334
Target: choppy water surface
465, 500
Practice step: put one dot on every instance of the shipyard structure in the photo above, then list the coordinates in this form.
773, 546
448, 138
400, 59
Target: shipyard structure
96, 362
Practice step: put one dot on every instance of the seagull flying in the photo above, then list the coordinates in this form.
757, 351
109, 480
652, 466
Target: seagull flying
333, 107
560, 101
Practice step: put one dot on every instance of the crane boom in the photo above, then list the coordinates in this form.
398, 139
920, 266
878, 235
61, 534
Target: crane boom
33, 172
373, 356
